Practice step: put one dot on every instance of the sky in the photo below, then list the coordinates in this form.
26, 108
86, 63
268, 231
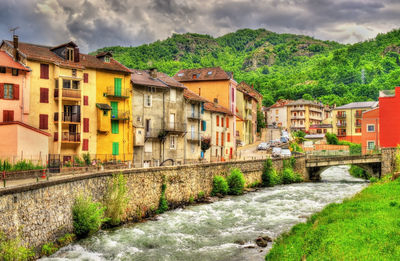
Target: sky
93, 24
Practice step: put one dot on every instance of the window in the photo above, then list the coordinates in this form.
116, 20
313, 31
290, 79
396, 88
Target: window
173, 95
192, 110
371, 145
371, 127
276, 112
75, 85
86, 100
202, 108
228, 137
43, 121
194, 76
44, 95
217, 137
15, 72
147, 127
70, 54
86, 78
203, 125
148, 146
114, 110
107, 59
2, 69
233, 95
217, 120
105, 112
86, 125
8, 116
115, 148
222, 138
114, 127
172, 142
85, 146
222, 122
148, 100
66, 84
44, 71
358, 130
8, 91
227, 122
74, 72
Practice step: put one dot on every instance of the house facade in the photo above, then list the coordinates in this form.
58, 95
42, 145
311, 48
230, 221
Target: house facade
277, 115
370, 130
347, 120
389, 118
304, 113
158, 118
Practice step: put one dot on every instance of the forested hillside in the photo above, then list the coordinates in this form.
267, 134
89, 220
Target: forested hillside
280, 65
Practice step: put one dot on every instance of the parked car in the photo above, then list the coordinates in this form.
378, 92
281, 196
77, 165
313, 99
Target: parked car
285, 153
263, 146
276, 152
284, 139
275, 143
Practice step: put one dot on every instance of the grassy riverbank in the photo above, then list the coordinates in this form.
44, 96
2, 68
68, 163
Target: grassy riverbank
365, 227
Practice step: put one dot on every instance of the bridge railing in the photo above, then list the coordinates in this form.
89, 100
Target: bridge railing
359, 151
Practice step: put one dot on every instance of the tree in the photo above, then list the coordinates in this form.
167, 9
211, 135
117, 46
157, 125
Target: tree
260, 120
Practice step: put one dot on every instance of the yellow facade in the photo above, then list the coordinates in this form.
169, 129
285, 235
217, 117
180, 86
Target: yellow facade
62, 140
212, 90
108, 135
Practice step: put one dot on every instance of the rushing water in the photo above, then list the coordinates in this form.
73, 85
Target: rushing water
213, 231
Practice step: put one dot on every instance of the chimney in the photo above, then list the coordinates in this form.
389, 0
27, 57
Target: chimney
199, 91
15, 43
153, 72
216, 100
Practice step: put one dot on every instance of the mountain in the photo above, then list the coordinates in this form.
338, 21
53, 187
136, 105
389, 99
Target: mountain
280, 65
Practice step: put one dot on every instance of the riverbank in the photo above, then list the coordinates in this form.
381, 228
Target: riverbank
365, 227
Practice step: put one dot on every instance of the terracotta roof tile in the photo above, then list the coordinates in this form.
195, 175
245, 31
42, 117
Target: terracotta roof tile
188, 94
142, 77
90, 61
209, 106
7, 61
202, 74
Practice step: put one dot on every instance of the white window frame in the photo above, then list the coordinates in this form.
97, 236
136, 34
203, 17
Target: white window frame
148, 147
370, 125
172, 142
371, 141
172, 93
148, 98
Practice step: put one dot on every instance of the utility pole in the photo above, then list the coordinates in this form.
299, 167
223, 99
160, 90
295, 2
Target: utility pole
13, 30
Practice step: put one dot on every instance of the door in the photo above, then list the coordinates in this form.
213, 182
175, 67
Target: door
147, 127
193, 110
193, 132
117, 87
114, 110
172, 121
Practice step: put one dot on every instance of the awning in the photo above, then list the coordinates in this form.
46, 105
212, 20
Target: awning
103, 106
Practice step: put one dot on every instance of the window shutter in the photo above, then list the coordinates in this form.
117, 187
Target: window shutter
217, 120
44, 71
16, 91
85, 78
44, 95
43, 121
222, 122
85, 100
76, 54
117, 86
115, 148
86, 125
1, 90
55, 136
85, 146
227, 122
8, 116
202, 108
205, 126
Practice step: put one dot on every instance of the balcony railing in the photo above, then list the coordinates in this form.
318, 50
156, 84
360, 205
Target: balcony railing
341, 115
120, 115
341, 134
341, 124
194, 116
298, 109
298, 117
74, 94
117, 93
74, 118
358, 114
68, 137
175, 127
193, 136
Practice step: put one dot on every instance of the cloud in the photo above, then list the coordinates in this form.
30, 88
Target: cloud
97, 23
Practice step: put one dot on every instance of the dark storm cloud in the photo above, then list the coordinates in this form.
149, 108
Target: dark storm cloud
97, 23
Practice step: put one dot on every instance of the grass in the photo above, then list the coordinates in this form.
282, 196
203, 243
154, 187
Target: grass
365, 227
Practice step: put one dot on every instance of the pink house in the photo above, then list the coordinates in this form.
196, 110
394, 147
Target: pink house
19, 140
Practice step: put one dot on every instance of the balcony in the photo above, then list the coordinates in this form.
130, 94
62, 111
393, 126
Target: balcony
341, 124
249, 106
117, 93
298, 117
358, 123
358, 114
341, 115
298, 109
193, 136
67, 118
68, 94
68, 137
315, 109
341, 134
120, 115
194, 116
175, 127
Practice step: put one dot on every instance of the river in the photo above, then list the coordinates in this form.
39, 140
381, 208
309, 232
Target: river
213, 231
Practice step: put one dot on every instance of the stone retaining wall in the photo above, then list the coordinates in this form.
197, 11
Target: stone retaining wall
41, 212
388, 160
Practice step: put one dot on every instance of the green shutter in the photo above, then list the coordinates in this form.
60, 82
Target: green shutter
114, 127
114, 110
117, 87
115, 148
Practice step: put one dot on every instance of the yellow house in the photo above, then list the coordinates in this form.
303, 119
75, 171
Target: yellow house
113, 108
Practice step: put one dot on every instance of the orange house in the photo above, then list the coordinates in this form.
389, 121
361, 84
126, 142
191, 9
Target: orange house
370, 130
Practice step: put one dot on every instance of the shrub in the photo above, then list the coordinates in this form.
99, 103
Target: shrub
331, 138
163, 205
88, 216
298, 178
191, 199
397, 160
66, 239
48, 249
220, 186
116, 199
358, 172
78, 161
254, 184
201, 195
266, 177
236, 182
373, 179
288, 176
12, 249
86, 159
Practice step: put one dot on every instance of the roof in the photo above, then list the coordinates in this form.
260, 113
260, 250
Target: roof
142, 77
188, 94
103, 106
45, 54
7, 61
214, 107
102, 54
249, 90
355, 105
25, 125
202, 74
304, 102
279, 103
321, 126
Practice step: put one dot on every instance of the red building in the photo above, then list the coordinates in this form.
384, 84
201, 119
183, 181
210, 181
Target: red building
370, 130
389, 120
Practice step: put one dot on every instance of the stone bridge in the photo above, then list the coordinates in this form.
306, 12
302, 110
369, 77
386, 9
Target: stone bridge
315, 165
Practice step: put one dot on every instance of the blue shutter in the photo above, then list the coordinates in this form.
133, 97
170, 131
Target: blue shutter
204, 125
202, 108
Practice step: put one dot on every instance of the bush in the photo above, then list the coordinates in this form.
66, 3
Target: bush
163, 205
66, 239
358, 172
288, 176
88, 216
116, 199
220, 186
12, 249
86, 159
267, 180
373, 179
236, 182
201, 195
48, 249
